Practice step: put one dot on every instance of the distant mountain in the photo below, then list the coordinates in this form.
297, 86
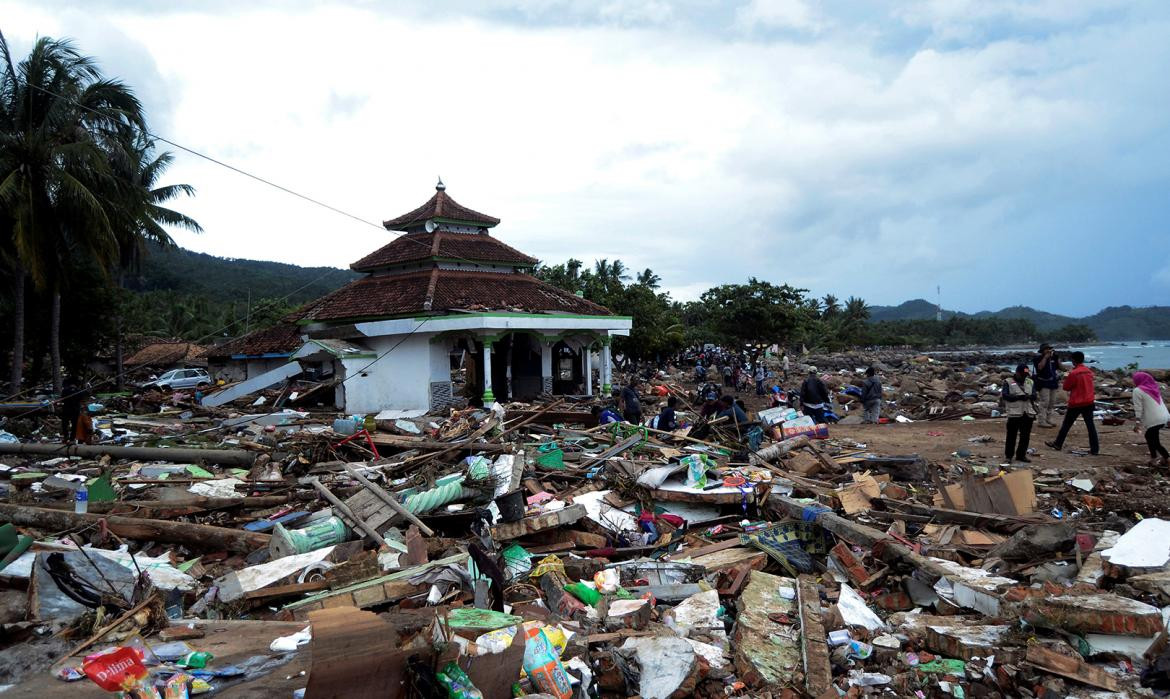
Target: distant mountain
918, 309
1113, 323
1043, 320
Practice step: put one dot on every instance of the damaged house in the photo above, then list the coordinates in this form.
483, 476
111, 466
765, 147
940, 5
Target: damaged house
444, 288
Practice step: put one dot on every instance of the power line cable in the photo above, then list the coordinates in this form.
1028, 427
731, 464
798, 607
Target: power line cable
240, 171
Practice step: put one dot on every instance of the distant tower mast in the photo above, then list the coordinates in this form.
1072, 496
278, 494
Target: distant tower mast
938, 307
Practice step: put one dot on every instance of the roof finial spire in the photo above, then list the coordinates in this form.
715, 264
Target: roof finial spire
440, 186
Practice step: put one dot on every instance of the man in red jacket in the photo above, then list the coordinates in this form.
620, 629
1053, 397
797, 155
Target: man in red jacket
1081, 399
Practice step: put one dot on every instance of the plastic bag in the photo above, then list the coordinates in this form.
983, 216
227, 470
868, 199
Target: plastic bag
696, 470
543, 667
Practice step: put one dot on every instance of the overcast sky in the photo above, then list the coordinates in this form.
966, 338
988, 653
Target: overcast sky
1013, 152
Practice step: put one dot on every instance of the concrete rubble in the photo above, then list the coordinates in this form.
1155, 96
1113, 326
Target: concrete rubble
525, 549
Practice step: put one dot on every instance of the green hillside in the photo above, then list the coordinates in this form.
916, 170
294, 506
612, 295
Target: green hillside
232, 280
1114, 323
180, 293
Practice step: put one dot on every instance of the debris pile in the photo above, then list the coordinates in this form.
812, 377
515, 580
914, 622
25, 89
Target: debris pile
526, 549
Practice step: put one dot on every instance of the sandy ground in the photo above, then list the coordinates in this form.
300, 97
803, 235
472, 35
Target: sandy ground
936, 441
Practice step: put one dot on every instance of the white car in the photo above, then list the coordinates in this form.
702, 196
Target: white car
181, 378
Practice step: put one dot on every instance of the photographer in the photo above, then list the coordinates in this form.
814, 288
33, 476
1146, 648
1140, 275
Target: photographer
1047, 379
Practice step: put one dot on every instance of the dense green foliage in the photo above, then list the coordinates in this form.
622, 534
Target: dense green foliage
760, 312
732, 314
959, 330
193, 296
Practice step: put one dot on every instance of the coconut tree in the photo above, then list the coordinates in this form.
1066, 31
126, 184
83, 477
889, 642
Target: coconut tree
61, 122
649, 279
140, 214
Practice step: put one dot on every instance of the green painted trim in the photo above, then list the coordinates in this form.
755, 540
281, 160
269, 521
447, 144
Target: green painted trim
606, 340
606, 389
506, 314
488, 397
490, 314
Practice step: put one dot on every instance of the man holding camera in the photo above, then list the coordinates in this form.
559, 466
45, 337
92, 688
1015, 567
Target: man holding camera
1047, 379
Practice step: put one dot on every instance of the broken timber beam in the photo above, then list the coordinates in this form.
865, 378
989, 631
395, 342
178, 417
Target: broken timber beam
814, 647
227, 457
388, 499
347, 514
201, 535
861, 535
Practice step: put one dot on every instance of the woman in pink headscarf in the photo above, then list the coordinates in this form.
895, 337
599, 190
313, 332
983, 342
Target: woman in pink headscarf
1151, 413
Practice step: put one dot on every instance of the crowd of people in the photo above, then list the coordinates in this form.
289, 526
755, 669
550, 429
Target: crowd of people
1028, 397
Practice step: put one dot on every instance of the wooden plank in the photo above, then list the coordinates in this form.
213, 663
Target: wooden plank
416, 548
814, 647
1070, 667
349, 644
286, 590
531, 525
703, 550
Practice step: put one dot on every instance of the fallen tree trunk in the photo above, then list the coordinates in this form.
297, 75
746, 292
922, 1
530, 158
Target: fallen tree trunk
861, 535
200, 535
196, 502
227, 457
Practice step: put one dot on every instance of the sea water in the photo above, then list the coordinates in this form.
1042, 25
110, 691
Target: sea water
1155, 354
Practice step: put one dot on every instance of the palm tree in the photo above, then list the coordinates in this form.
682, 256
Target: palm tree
617, 271
60, 123
141, 216
831, 306
856, 309
649, 279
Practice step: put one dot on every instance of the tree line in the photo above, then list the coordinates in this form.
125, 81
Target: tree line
762, 312
80, 201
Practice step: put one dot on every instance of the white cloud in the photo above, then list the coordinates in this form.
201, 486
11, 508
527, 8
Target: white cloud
778, 14
835, 157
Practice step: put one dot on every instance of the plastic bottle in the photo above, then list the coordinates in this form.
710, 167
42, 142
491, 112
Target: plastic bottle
81, 500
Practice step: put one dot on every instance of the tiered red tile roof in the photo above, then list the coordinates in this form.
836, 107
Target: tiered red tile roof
456, 235
436, 290
447, 245
440, 207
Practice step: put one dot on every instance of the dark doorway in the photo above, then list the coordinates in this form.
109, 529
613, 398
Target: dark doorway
567, 374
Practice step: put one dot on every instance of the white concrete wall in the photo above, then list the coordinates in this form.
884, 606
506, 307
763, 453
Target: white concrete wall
400, 380
440, 360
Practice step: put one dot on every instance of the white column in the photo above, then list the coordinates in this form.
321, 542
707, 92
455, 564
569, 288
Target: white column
606, 369
546, 366
488, 396
588, 370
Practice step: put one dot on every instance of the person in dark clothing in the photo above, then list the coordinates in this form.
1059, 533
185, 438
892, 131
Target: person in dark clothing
1081, 401
1018, 395
729, 408
666, 417
814, 396
871, 397
631, 404
1046, 366
72, 397
606, 415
